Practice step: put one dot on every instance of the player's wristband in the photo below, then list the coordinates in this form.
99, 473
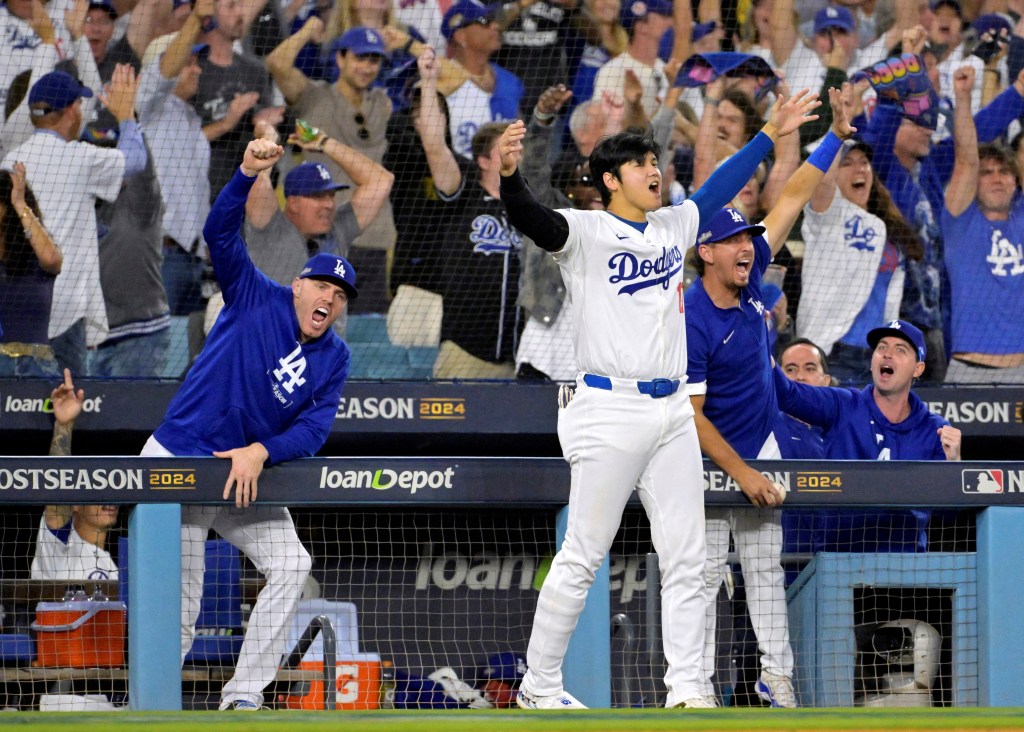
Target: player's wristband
825, 152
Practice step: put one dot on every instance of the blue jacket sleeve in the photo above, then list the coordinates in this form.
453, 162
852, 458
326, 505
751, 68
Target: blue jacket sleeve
309, 432
881, 135
723, 185
817, 405
236, 274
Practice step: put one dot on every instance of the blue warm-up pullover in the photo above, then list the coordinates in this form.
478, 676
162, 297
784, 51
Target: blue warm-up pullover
254, 381
855, 429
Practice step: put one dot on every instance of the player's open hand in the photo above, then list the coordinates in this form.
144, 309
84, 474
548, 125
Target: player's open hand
840, 124
510, 147
66, 402
789, 114
950, 439
762, 492
246, 466
260, 155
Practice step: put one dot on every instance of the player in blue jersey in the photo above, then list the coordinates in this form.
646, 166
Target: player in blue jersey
629, 426
885, 420
730, 386
265, 389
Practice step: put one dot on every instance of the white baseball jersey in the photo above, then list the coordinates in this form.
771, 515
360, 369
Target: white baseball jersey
626, 290
844, 252
62, 554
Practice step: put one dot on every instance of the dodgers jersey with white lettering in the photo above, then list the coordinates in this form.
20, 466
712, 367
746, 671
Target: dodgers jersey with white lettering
254, 381
618, 278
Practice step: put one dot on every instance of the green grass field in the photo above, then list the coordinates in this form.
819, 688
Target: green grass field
594, 720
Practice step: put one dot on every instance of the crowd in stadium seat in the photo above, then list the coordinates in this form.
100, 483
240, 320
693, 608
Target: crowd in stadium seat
918, 220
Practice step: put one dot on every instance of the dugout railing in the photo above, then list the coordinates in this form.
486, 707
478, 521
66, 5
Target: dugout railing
157, 487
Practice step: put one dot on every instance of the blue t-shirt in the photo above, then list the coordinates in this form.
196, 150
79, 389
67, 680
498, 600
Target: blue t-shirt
728, 349
985, 261
254, 381
855, 428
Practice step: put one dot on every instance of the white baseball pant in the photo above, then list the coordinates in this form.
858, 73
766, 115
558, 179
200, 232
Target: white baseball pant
266, 535
757, 533
614, 442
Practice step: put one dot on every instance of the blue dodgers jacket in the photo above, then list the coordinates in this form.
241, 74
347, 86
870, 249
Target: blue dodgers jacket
254, 381
855, 429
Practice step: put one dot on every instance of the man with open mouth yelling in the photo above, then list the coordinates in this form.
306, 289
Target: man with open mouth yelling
264, 390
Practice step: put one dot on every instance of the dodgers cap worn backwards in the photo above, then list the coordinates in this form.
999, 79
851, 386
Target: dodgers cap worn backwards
464, 12
727, 222
508, 667
900, 329
634, 10
58, 90
834, 16
333, 268
361, 41
309, 179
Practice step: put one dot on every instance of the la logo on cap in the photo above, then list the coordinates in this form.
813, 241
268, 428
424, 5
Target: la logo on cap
832, 12
895, 324
324, 172
736, 215
339, 269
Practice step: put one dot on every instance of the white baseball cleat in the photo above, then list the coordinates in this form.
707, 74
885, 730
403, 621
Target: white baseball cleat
565, 700
698, 702
777, 690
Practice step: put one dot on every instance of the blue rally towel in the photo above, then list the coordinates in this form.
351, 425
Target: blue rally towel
703, 68
903, 80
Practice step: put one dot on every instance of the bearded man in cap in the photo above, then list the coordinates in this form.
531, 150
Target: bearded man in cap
264, 390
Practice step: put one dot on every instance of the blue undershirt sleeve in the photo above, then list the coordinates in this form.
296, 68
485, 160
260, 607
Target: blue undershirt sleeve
723, 185
131, 145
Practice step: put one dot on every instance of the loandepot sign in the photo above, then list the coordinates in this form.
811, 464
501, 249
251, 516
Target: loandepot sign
383, 479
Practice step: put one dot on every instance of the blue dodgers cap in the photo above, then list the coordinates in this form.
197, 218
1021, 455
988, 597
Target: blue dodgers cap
333, 268
936, 4
464, 12
727, 222
900, 329
702, 29
634, 10
58, 90
309, 179
104, 6
834, 16
361, 41
508, 667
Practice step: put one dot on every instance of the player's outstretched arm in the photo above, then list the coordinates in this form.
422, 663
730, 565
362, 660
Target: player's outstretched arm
548, 229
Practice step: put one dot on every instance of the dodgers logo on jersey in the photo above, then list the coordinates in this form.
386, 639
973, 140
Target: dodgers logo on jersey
643, 273
491, 234
859, 236
982, 481
1003, 254
288, 375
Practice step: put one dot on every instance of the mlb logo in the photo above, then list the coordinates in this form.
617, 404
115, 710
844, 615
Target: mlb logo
982, 481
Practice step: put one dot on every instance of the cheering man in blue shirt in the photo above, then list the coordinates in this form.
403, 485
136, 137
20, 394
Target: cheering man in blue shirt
265, 389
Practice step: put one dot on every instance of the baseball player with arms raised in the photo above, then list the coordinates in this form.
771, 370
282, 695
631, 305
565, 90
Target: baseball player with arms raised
630, 425
264, 390
730, 386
